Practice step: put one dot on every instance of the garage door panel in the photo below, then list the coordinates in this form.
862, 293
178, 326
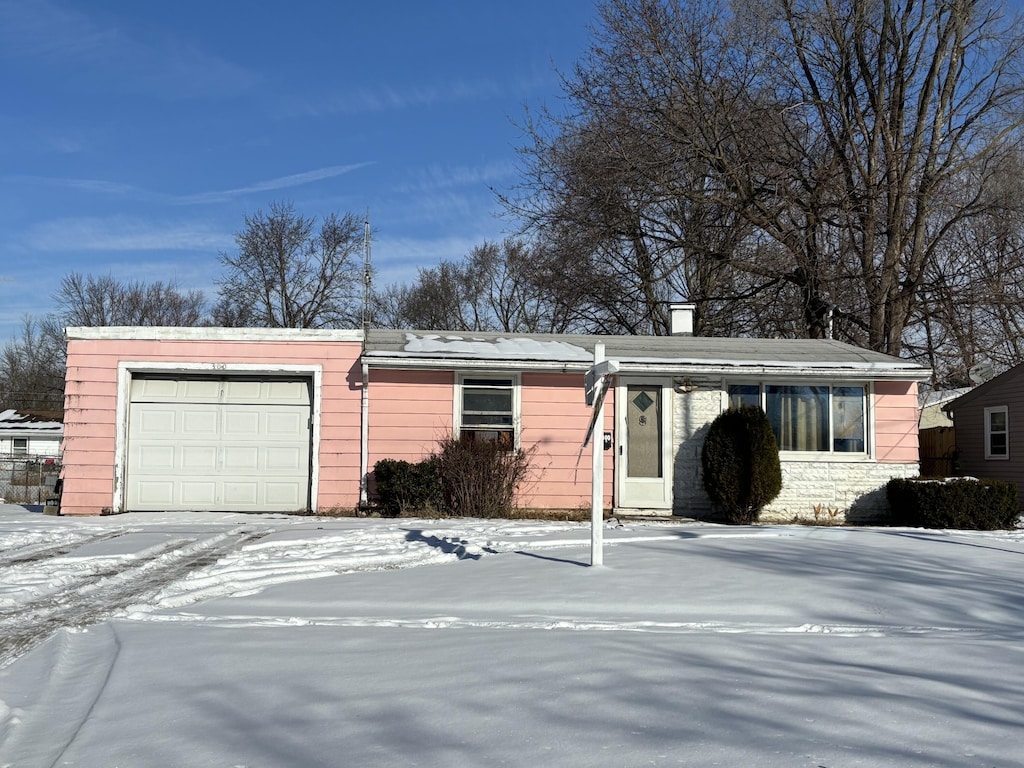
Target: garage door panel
198, 457
155, 458
198, 390
286, 424
248, 450
251, 391
241, 457
198, 494
241, 495
157, 422
280, 459
242, 423
155, 389
199, 421
285, 495
155, 493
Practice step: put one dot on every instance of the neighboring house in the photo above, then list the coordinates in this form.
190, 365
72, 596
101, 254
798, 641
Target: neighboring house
209, 418
989, 425
933, 406
935, 432
29, 435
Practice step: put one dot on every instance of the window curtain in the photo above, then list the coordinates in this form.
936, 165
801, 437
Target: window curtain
799, 416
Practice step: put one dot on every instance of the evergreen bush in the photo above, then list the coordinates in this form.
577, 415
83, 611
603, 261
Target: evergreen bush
963, 503
740, 462
404, 487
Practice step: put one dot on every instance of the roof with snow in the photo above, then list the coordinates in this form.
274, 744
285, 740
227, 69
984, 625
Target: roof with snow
12, 421
634, 354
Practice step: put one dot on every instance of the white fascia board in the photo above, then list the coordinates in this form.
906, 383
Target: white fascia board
831, 371
209, 333
400, 361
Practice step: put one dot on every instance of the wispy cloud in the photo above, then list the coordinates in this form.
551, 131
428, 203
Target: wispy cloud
38, 29
124, 234
116, 189
436, 177
281, 182
387, 98
66, 40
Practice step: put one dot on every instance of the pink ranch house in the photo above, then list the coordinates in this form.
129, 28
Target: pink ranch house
294, 420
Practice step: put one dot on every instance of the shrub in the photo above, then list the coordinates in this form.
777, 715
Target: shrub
964, 503
479, 478
403, 487
740, 460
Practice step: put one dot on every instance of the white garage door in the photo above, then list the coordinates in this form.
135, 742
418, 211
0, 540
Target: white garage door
220, 444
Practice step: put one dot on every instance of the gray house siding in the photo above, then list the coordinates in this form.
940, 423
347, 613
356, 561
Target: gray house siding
969, 422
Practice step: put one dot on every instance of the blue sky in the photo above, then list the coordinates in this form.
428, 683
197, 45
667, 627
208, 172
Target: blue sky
136, 136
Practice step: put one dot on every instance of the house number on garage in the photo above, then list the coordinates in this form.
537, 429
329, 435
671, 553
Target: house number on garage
220, 366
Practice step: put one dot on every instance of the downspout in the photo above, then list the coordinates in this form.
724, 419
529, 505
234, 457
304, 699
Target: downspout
364, 438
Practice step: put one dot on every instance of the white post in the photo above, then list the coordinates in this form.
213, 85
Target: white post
597, 476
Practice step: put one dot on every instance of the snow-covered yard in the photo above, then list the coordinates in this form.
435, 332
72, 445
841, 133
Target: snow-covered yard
234, 640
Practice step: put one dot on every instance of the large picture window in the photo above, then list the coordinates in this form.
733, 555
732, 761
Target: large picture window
819, 418
487, 409
997, 433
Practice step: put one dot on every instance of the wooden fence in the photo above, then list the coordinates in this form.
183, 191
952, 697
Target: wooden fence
938, 452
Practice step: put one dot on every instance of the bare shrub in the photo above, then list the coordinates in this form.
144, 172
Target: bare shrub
480, 478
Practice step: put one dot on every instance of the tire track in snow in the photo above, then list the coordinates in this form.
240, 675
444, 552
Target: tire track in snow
103, 593
31, 554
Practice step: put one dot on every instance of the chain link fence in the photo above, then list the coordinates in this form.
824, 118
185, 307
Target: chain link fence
28, 479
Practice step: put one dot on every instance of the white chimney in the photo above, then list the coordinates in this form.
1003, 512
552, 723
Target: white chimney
681, 319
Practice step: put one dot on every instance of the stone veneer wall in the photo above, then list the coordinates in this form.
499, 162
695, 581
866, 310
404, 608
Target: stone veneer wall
853, 490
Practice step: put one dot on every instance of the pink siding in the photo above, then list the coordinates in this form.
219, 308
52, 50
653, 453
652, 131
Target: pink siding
895, 405
411, 410
555, 419
91, 402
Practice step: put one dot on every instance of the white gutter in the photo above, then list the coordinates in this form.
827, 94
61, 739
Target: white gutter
364, 437
665, 367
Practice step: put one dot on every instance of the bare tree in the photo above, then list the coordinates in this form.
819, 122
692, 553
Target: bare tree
101, 301
32, 370
971, 311
288, 273
825, 140
32, 366
496, 287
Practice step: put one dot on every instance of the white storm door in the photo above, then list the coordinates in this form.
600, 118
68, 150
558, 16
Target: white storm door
218, 444
643, 460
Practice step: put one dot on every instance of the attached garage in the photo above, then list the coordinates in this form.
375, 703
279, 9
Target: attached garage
218, 443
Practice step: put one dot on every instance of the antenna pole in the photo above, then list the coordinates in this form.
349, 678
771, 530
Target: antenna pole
367, 272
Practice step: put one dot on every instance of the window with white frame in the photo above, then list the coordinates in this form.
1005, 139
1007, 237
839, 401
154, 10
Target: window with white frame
487, 409
820, 418
997, 433
19, 446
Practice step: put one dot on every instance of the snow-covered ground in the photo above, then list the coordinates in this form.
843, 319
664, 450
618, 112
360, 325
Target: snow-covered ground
240, 640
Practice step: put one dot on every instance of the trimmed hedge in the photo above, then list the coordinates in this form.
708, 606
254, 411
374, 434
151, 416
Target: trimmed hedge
403, 486
963, 503
740, 462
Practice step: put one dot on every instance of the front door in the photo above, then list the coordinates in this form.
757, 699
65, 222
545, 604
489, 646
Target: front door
643, 458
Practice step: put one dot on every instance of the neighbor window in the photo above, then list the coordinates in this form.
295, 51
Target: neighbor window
19, 446
487, 409
821, 418
997, 433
